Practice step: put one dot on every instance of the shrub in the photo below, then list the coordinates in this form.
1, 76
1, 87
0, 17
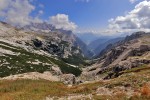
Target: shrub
145, 90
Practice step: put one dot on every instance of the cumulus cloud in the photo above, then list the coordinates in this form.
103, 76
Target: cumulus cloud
61, 21
137, 19
3, 4
17, 12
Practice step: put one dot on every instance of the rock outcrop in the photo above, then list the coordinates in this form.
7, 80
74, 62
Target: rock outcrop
68, 79
133, 51
23, 51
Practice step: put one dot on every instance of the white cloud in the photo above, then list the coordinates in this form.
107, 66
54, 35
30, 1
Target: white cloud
82, 1
61, 21
133, 1
41, 12
3, 4
137, 19
17, 12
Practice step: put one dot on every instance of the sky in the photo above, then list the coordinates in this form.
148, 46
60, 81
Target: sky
107, 17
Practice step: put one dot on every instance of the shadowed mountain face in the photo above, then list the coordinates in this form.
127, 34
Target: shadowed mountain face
30, 51
131, 52
66, 36
96, 43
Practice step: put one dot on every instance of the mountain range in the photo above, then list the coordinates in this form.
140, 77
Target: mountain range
62, 66
27, 51
87, 38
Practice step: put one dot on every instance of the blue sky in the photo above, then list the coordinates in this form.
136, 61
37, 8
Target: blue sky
106, 17
91, 15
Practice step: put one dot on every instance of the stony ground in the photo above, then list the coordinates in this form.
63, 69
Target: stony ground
133, 84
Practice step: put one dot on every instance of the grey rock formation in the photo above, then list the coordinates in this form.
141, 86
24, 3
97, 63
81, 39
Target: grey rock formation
68, 79
65, 35
133, 51
23, 51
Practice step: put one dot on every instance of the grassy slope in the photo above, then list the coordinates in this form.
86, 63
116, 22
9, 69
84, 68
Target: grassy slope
39, 89
18, 63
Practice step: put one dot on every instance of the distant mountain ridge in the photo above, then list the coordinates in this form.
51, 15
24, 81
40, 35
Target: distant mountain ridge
101, 43
102, 46
87, 38
94, 44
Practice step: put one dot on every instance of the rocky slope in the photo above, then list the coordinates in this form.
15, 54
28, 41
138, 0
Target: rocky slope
133, 51
33, 63
134, 84
24, 51
65, 36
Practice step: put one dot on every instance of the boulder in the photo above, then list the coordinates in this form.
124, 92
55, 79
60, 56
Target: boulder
56, 70
68, 79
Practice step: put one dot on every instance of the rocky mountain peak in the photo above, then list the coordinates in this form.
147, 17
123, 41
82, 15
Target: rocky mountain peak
39, 27
135, 35
64, 35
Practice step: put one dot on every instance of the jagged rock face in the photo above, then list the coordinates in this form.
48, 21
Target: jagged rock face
25, 51
141, 50
56, 42
87, 53
42, 27
112, 55
65, 35
132, 52
60, 48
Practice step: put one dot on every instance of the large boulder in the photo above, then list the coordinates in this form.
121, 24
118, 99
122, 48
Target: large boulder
56, 70
68, 79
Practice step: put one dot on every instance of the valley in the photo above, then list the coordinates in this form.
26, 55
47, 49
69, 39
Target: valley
60, 69
74, 49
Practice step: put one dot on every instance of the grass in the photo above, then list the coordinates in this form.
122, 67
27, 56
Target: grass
137, 69
39, 89
77, 60
30, 89
145, 90
66, 68
136, 78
